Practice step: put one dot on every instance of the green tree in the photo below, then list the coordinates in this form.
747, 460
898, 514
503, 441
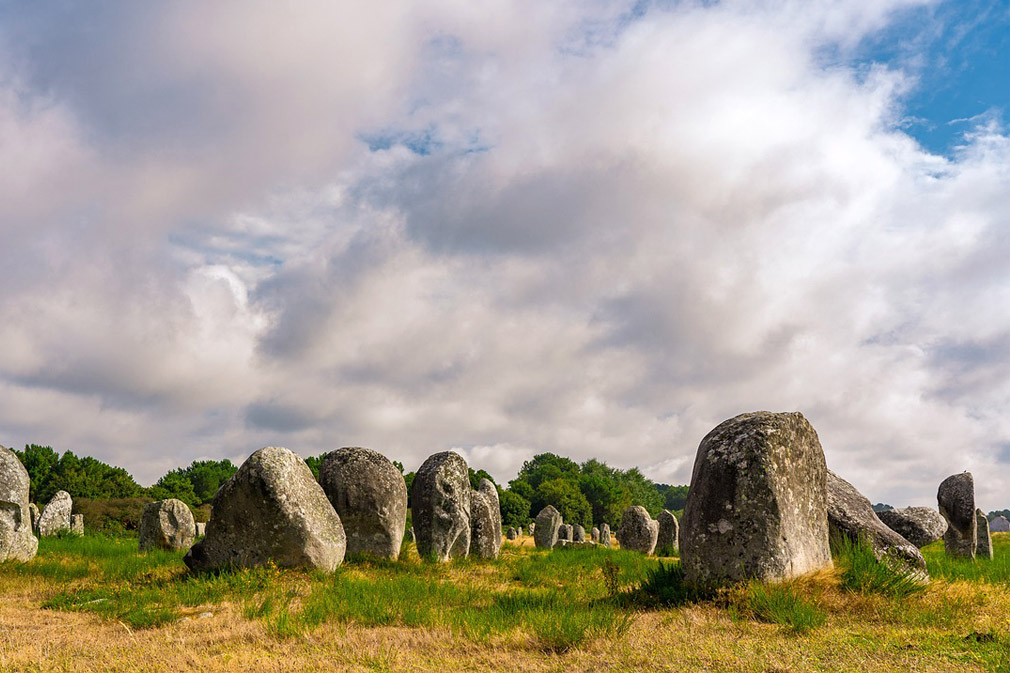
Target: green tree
314, 462
674, 498
641, 491
475, 478
207, 476
177, 485
547, 467
408, 479
566, 497
522, 488
515, 509
40, 462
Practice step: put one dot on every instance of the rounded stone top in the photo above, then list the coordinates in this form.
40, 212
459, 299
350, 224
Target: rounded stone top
14, 481
449, 461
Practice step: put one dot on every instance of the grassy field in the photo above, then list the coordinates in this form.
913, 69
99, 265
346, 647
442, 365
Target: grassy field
95, 604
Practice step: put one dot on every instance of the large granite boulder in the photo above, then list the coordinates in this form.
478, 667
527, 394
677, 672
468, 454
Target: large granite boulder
370, 497
167, 524
983, 546
669, 534
638, 531
441, 499
485, 521
999, 525
605, 534
17, 542
272, 510
578, 533
851, 515
757, 507
919, 525
548, 523
55, 515
956, 498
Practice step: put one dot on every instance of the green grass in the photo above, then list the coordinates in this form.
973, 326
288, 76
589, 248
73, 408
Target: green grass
993, 571
863, 573
782, 604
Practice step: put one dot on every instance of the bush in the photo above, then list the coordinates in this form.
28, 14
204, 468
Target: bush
111, 516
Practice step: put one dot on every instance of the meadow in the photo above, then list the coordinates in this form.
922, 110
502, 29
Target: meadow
94, 603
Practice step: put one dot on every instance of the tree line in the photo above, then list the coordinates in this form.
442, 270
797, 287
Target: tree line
588, 494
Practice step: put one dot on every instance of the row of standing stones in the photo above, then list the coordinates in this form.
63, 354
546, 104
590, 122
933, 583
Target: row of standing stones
762, 505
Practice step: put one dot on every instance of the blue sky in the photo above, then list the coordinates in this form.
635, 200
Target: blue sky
594, 228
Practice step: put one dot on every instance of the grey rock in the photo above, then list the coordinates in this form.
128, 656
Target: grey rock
548, 523
512, 533
532, 527
167, 524
271, 510
201, 528
638, 531
77, 523
850, 514
669, 534
594, 534
370, 496
56, 514
565, 532
919, 525
34, 514
983, 547
757, 507
578, 533
17, 542
605, 534
410, 534
956, 499
441, 507
485, 521
1000, 525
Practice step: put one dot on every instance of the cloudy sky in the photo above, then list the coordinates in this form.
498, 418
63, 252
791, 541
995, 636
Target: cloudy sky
593, 228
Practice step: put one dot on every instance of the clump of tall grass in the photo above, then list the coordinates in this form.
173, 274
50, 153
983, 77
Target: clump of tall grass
863, 572
779, 603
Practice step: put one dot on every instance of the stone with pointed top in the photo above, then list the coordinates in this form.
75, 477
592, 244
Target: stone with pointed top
548, 522
605, 534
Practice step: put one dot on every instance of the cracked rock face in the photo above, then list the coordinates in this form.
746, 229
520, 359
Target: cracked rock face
17, 543
485, 521
669, 533
919, 525
441, 500
370, 496
548, 525
851, 514
55, 515
757, 506
167, 524
271, 510
638, 531
956, 500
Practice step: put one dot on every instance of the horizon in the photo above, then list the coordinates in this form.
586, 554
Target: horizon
592, 229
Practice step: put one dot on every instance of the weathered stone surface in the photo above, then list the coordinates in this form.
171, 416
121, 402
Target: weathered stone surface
34, 514
271, 510
983, 547
77, 523
548, 522
532, 527
605, 534
999, 525
956, 498
56, 514
594, 534
578, 533
17, 543
512, 533
485, 521
201, 528
638, 530
850, 514
370, 497
167, 524
565, 532
919, 525
757, 507
441, 507
669, 534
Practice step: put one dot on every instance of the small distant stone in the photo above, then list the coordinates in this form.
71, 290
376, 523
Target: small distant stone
77, 523
578, 533
983, 548
605, 534
167, 524
956, 500
669, 534
34, 514
1000, 525
919, 525
595, 534
532, 527
512, 533
56, 515
201, 528
638, 531
565, 532
548, 522
206, 615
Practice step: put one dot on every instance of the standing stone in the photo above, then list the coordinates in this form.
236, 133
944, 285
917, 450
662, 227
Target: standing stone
565, 532
1000, 525
201, 528
850, 514
757, 507
34, 514
545, 535
485, 521
410, 534
77, 523
578, 533
919, 525
638, 531
594, 534
983, 548
605, 534
956, 497
513, 533
271, 510
532, 527
17, 543
669, 534
441, 507
370, 497
167, 524
56, 515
